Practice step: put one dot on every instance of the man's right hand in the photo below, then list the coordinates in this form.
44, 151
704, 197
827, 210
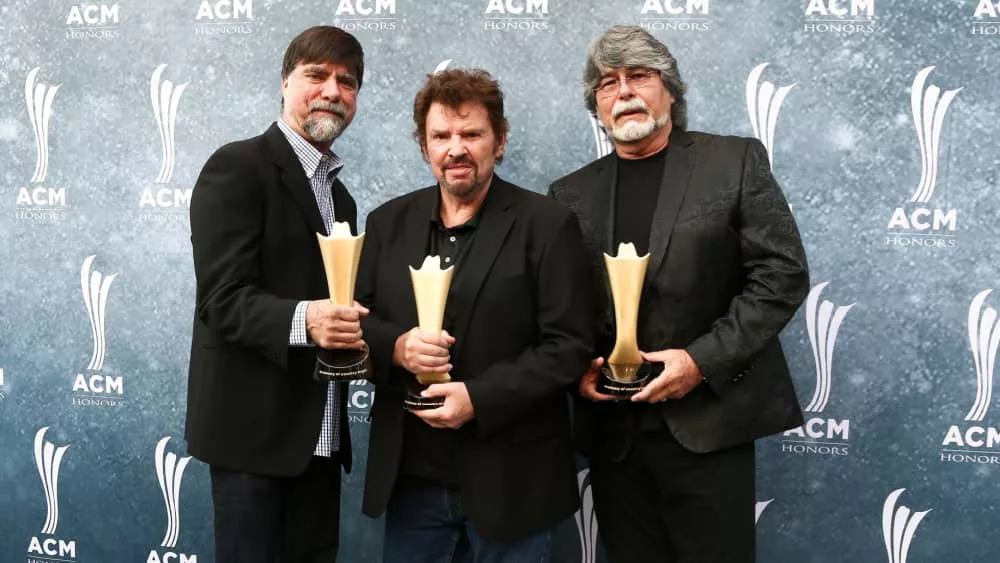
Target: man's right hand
588, 383
335, 327
421, 351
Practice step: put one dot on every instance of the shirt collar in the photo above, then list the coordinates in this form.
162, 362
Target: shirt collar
307, 154
472, 223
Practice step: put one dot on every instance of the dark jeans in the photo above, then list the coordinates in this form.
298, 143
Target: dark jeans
665, 504
261, 519
425, 523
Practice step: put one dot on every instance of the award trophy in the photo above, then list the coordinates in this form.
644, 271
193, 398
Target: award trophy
341, 253
625, 372
430, 290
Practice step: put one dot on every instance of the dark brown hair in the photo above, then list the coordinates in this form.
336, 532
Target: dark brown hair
454, 88
325, 44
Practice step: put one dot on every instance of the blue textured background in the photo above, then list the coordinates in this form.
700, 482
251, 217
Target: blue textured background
845, 152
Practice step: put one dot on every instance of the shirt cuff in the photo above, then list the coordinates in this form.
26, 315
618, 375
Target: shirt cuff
299, 336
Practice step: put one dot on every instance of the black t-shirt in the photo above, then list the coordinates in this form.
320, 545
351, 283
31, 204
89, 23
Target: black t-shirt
431, 453
636, 197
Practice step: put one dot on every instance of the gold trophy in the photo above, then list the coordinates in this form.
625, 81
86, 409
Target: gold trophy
341, 253
430, 291
625, 373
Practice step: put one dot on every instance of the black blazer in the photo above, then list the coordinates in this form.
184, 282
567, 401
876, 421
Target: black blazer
253, 405
726, 273
523, 333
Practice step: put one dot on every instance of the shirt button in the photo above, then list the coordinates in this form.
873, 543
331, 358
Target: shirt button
447, 259
452, 238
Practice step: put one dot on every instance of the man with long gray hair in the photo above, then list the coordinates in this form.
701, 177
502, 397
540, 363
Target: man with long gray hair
672, 468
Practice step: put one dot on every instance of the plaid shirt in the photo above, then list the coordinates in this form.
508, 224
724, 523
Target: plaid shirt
322, 170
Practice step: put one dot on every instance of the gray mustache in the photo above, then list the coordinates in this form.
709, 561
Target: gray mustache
337, 109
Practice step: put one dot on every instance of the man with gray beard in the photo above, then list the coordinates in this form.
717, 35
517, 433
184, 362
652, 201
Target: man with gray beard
275, 438
672, 468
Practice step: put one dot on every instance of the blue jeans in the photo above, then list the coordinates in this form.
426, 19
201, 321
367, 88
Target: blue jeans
425, 523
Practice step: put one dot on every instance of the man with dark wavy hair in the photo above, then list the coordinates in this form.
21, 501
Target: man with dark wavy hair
486, 476
672, 469
275, 439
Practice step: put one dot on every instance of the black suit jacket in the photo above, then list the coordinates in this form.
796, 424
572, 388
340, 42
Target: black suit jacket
521, 320
726, 273
253, 405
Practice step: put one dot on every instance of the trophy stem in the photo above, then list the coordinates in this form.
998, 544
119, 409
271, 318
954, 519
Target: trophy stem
341, 254
430, 292
625, 372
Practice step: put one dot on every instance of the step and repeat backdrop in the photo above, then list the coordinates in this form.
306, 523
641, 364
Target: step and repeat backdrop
880, 117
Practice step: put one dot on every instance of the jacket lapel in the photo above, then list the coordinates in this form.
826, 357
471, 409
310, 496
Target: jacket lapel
673, 187
602, 212
603, 204
497, 218
413, 250
344, 208
293, 178
418, 229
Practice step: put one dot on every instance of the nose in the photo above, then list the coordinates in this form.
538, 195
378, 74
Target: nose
456, 147
331, 89
625, 90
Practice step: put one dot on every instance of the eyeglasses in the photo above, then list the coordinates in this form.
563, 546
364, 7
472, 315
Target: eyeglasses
611, 85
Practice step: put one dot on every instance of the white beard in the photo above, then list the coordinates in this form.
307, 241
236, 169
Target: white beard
633, 130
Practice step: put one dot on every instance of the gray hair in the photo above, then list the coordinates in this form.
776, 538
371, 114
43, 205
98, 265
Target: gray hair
630, 46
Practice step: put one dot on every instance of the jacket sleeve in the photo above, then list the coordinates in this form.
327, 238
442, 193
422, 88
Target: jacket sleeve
775, 274
226, 236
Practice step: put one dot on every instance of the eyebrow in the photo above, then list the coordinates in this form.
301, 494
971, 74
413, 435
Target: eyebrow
464, 131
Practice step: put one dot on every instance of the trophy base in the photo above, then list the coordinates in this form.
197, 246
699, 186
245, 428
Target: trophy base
622, 382
341, 365
414, 401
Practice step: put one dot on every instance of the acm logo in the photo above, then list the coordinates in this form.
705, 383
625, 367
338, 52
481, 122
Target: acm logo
366, 15
360, 398
163, 203
986, 19
675, 15
224, 10
845, 17
169, 474
821, 435
516, 15
95, 388
92, 15
93, 21
899, 527
40, 202
48, 461
975, 442
920, 223
764, 102
224, 17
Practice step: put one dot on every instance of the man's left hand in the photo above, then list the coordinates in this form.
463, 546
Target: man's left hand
457, 408
679, 376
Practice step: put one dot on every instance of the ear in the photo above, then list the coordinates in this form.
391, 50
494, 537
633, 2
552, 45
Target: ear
501, 146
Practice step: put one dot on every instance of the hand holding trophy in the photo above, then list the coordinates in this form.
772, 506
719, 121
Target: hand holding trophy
625, 372
430, 291
341, 253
